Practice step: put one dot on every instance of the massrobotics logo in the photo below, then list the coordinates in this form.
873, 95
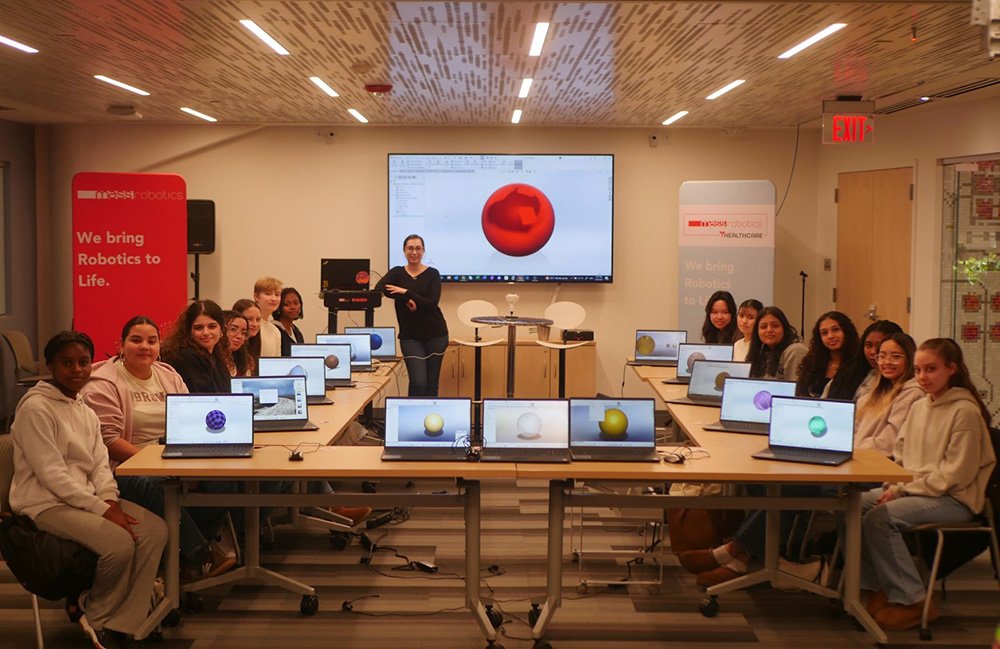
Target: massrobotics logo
128, 195
748, 227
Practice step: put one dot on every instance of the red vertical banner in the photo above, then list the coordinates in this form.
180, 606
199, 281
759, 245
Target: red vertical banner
129, 252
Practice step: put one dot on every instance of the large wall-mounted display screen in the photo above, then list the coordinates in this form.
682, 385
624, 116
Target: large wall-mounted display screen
504, 217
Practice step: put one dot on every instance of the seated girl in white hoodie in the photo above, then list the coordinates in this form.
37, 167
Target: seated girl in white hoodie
945, 444
882, 411
63, 482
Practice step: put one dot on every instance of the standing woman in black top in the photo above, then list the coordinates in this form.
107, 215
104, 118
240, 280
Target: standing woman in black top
423, 332
199, 349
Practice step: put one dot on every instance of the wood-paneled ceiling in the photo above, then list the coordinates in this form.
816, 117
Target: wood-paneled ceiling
461, 63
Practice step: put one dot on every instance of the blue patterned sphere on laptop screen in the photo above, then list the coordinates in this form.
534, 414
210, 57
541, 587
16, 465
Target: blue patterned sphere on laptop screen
215, 421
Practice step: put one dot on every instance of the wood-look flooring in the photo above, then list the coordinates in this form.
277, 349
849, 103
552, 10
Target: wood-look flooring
393, 608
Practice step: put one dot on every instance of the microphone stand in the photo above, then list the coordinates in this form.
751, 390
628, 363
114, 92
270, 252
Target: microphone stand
803, 274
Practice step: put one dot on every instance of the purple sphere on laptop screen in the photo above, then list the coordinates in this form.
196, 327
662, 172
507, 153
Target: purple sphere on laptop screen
215, 420
762, 400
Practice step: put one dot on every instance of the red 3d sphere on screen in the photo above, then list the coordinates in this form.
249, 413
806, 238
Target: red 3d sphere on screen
518, 219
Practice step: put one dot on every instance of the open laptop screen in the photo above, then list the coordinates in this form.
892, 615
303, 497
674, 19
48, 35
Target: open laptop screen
336, 358
812, 423
427, 422
209, 419
526, 423
361, 346
383, 339
657, 345
275, 398
749, 400
688, 353
311, 367
626, 423
709, 377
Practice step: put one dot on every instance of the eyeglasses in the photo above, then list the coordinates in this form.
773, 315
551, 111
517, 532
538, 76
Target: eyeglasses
893, 359
237, 332
413, 248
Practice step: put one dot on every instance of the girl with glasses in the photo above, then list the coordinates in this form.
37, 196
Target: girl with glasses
242, 363
882, 411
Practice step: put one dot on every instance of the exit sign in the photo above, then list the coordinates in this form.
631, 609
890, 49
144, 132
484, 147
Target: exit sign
848, 129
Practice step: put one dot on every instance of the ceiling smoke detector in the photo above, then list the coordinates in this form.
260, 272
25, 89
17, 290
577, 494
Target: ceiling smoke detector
378, 89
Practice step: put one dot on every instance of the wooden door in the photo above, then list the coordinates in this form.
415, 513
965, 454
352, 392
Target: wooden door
874, 213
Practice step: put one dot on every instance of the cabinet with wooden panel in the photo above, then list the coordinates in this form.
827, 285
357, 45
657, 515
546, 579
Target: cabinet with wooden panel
536, 368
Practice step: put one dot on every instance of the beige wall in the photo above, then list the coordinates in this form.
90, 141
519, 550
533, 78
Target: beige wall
919, 137
286, 198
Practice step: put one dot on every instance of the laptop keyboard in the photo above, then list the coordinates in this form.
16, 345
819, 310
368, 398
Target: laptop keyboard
202, 450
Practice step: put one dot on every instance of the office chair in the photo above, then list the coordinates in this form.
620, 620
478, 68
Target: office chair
985, 523
26, 366
564, 315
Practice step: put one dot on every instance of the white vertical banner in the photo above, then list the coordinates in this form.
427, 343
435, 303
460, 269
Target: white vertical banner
726, 243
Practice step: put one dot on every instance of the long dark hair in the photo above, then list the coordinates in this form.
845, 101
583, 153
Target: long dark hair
709, 333
884, 327
243, 361
180, 336
812, 371
253, 343
765, 361
951, 353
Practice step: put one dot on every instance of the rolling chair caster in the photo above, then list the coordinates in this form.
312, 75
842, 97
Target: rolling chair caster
495, 616
309, 605
534, 614
172, 619
339, 540
709, 607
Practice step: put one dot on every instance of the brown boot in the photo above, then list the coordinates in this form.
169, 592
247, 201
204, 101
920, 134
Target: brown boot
718, 576
698, 561
874, 601
356, 514
899, 617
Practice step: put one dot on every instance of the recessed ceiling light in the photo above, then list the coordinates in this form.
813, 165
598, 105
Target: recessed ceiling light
124, 86
724, 89
264, 36
19, 46
358, 116
525, 87
516, 117
541, 29
673, 118
925, 99
191, 111
322, 85
812, 40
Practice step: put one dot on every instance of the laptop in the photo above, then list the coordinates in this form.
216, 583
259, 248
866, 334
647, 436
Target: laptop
279, 402
688, 353
209, 425
617, 430
428, 428
814, 431
525, 430
310, 367
336, 362
657, 347
383, 341
361, 348
708, 381
746, 404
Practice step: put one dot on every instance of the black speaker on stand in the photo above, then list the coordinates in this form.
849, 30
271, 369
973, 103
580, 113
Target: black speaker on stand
201, 235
